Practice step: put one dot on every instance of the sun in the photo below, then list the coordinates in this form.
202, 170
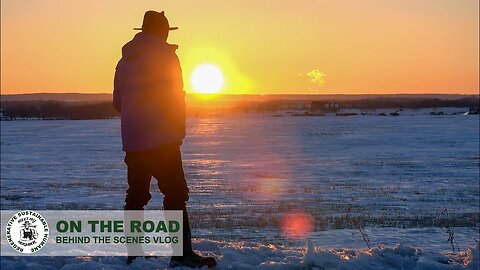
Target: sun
207, 79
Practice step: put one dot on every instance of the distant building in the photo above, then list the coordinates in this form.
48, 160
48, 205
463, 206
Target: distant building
325, 106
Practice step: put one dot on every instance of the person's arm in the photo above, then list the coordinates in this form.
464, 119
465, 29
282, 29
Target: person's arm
117, 84
169, 94
180, 96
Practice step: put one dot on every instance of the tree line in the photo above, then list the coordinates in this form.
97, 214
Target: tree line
11, 110
56, 110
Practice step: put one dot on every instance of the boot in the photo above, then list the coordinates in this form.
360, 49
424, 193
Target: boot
130, 259
189, 258
192, 260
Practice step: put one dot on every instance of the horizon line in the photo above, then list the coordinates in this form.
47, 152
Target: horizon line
253, 94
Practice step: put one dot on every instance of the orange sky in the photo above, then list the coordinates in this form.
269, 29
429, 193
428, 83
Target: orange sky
368, 46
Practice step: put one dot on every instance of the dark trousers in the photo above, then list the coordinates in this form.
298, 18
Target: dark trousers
165, 165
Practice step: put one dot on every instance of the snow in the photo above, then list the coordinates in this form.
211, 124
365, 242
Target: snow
249, 255
393, 175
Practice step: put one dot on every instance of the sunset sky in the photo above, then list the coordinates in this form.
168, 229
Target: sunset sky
307, 46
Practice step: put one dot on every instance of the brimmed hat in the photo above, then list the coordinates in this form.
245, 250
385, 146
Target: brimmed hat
153, 20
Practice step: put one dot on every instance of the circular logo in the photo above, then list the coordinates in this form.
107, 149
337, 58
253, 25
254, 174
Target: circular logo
27, 231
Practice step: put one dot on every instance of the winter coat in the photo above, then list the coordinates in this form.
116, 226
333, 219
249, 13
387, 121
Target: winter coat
148, 93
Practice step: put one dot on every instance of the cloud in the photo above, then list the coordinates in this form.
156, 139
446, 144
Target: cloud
316, 77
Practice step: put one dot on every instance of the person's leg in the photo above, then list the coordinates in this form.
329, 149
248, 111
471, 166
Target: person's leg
172, 183
138, 192
139, 176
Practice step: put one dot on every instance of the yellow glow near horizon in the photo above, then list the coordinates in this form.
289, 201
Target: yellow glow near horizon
234, 81
207, 79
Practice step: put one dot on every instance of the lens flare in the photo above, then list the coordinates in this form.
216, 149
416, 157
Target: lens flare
297, 225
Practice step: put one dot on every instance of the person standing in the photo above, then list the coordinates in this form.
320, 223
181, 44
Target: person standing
148, 93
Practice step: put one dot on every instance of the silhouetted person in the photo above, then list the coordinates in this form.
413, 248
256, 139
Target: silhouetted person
148, 93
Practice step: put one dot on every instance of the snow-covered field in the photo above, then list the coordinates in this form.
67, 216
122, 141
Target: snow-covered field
404, 180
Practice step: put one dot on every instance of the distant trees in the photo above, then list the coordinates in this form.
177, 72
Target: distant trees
11, 110
56, 110
410, 103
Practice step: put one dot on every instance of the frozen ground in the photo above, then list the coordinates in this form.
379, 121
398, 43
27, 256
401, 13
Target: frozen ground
250, 255
395, 176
